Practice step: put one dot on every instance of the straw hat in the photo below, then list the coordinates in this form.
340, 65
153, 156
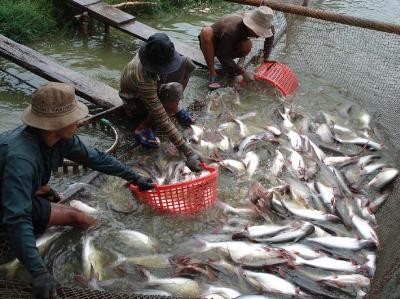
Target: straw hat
260, 21
54, 107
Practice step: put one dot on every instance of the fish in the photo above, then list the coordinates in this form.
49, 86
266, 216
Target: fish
383, 178
329, 263
308, 213
344, 280
340, 161
296, 141
360, 141
364, 228
242, 127
293, 235
256, 231
327, 195
138, 240
235, 166
198, 132
287, 122
377, 203
243, 212
278, 163
42, 244
91, 259
177, 286
297, 164
251, 161
343, 243
250, 140
301, 250
224, 144
246, 253
368, 169
274, 130
325, 133
157, 261
271, 283
213, 292
81, 206
364, 160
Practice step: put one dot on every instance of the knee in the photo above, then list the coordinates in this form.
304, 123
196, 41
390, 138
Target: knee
244, 48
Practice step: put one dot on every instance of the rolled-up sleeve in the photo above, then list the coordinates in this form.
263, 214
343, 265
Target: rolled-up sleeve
17, 185
75, 150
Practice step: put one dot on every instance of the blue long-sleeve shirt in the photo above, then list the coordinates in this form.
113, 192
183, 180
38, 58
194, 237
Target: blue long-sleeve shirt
25, 165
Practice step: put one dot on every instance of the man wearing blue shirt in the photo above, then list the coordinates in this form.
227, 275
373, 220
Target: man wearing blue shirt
27, 156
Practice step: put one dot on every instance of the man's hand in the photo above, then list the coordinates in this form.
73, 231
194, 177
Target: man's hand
144, 183
193, 162
44, 286
49, 193
248, 76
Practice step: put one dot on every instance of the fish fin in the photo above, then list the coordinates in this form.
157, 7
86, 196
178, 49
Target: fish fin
82, 280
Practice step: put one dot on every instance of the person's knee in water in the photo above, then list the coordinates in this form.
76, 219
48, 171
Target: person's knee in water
228, 39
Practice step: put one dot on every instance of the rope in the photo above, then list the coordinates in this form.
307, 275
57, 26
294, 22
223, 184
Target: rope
323, 15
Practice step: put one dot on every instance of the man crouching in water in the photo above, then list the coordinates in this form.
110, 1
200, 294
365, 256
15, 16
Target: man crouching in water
27, 156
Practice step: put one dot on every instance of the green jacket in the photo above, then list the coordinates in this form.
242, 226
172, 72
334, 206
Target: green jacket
25, 165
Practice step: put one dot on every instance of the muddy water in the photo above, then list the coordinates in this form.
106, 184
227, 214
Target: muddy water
103, 58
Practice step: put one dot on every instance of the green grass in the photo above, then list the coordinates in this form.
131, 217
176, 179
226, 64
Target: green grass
26, 20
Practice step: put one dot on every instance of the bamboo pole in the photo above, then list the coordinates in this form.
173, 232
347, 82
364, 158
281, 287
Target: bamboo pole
323, 15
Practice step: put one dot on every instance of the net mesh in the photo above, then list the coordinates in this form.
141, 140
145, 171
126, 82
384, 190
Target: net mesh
365, 64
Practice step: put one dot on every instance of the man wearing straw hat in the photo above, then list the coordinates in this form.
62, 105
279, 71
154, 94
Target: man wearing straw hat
27, 156
229, 38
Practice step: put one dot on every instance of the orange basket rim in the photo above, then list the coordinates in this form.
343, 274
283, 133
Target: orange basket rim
213, 173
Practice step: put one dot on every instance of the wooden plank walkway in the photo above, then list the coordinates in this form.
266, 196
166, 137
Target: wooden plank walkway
118, 19
89, 89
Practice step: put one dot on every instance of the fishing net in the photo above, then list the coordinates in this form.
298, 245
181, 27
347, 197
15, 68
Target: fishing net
365, 65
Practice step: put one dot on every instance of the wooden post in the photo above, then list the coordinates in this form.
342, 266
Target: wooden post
85, 24
107, 28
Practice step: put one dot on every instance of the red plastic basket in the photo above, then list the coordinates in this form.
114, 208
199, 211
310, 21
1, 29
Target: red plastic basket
184, 197
280, 75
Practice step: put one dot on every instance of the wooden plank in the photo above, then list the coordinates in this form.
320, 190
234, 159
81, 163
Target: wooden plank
90, 89
106, 13
87, 2
142, 31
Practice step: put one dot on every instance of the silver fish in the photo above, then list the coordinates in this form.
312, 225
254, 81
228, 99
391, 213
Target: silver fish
362, 161
158, 261
350, 279
92, 259
340, 161
278, 163
212, 292
178, 286
368, 169
256, 231
251, 160
365, 230
308, 213
81, 206
243, 212
343, 242
294, 235
360, 141
328, 263
383, 178
138, 240
274, 130
377, 203
302, 250
235, 166
297, 164
271, 283
325, 133
242, 127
